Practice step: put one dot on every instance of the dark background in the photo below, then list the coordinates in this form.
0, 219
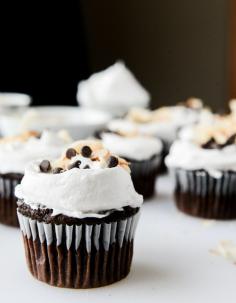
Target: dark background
43, 49
176, 49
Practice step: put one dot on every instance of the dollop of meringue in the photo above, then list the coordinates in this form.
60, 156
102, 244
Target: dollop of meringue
190, 156
80, 192
114, 89
17, 151
133, 148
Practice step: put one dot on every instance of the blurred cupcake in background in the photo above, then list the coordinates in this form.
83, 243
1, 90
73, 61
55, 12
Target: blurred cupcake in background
143, 153
203, 164
78, 215
114, 90
15, 153
165, 122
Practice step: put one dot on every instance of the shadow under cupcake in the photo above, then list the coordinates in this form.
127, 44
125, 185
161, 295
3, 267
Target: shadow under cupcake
78, 217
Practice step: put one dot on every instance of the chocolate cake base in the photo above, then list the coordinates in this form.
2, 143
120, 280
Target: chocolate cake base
78, 253
144, 173
60, 267
8, 205
201, 195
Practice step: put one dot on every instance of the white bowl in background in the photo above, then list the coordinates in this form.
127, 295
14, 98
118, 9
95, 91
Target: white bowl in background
79, 122
11, 101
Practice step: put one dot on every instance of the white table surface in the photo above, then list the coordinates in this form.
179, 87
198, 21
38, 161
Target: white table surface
171, 264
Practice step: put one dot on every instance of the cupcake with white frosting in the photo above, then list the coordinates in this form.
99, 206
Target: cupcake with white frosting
114, 89
144, 153
78, 215
15, 153
165, 122
204, 167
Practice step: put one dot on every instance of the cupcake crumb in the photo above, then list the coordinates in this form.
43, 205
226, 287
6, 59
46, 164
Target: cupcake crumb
225, 249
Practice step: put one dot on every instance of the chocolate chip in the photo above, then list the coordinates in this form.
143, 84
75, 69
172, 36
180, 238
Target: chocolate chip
38, 136
87, 166
57, 170
76, 164
210, 144
230, 141
86, 151
113, 161
45, 166
70, 153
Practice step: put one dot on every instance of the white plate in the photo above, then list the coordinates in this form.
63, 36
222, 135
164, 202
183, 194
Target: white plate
14, 100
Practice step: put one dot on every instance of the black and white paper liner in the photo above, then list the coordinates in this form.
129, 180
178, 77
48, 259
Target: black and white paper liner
198, 193
8, 205
144, 174
106, 247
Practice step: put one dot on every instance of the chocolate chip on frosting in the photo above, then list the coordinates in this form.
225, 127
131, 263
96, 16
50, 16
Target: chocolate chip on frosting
210, 144
57, 170
45, 166
113, 161
231, 140
87, 166
86, 151
70, 153
76, 164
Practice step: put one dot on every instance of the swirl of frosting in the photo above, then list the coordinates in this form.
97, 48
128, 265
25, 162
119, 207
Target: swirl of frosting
132, 147
115, 89
90, 181
17, 151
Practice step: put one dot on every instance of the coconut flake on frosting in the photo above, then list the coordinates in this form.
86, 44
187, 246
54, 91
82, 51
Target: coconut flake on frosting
114, 89
77, 190
178, 115
86, 154
218, 132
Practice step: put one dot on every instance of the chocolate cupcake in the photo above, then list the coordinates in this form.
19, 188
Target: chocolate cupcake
142, 152
163, 123
204, 168
78, 217
15, 153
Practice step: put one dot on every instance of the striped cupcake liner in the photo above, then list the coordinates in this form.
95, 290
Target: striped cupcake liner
8, 205
144, 174
200, 194
79, 256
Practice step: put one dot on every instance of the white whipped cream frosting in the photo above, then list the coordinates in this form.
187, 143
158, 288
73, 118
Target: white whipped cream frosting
114, 89
134, 148
79, 192
166, 128
14, 155
190, 156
